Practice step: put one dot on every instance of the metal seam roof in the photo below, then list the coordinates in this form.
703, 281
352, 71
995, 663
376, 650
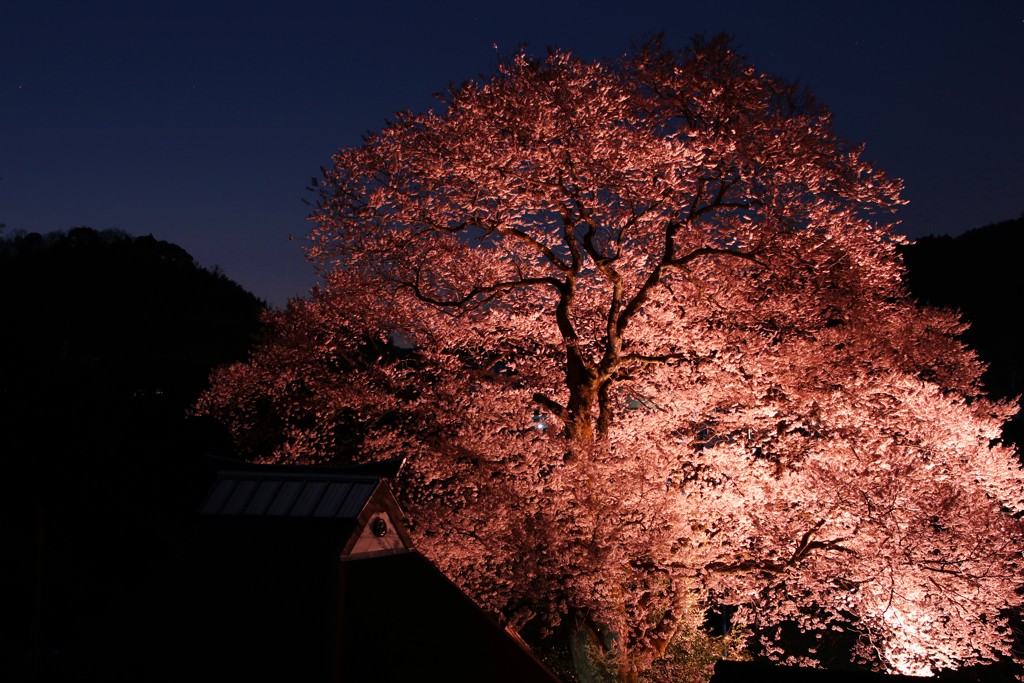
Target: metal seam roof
264, 494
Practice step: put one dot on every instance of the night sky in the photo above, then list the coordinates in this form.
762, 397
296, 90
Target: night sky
202, 123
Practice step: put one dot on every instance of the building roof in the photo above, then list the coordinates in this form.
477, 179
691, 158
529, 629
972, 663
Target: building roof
288, 495
300, 574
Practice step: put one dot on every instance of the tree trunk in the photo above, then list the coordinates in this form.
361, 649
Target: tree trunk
582, 383
591, 655
581, 424
587, 654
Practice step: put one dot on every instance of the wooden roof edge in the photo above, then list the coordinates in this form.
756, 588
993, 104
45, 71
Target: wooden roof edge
267, 474
514, 637
381, 468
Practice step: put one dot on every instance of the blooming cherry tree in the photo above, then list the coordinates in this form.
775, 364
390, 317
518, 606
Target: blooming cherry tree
662, 351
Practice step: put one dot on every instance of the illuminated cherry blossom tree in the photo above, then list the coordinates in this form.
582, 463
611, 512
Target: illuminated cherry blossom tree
662, 355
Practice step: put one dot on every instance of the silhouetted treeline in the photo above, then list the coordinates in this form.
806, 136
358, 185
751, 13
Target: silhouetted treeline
981, 274
121, 319
106, 341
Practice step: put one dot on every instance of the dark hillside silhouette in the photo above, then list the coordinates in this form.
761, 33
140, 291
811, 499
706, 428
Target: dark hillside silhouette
980, 273
106, 341
139, 313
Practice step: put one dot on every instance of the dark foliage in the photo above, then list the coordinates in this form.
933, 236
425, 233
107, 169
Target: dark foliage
107, 340
123, 320
980, 274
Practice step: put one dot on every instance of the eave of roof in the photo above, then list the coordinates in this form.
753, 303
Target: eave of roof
383, 468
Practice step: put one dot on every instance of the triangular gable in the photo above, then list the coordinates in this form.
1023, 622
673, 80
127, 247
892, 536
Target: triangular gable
379, 529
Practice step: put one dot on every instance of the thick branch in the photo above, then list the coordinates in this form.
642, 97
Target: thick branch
604, 404
556, 409
477, 291
613, 338
668, 257
713, 251
659, 359
804, 548
542, 248
569, 235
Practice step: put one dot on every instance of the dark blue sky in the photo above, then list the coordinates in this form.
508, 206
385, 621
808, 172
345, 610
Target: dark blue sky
202, 123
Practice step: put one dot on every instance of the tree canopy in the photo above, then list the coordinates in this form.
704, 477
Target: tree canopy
663, 355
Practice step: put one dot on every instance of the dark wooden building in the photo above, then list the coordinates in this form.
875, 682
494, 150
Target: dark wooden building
300, 574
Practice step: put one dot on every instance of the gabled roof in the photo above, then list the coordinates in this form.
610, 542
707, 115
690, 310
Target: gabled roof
317, 562
362, 516
288, 495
